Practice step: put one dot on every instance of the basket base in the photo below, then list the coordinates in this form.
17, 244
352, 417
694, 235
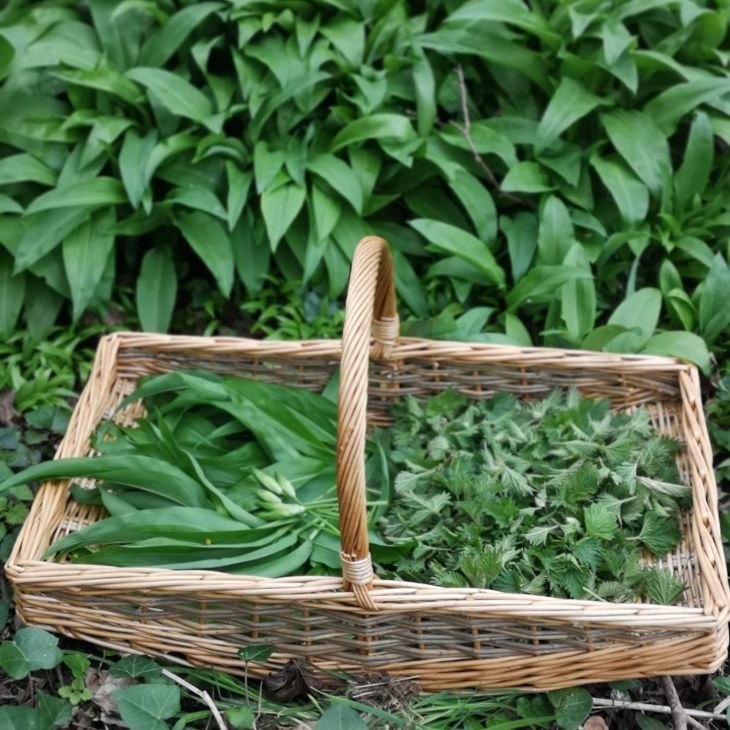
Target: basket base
699, 654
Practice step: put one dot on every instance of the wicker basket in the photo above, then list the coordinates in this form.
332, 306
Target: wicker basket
447, 637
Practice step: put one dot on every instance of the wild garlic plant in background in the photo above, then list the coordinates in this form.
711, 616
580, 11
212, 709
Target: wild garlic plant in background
552, 172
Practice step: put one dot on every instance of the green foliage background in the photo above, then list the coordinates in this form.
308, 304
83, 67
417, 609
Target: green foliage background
546, 172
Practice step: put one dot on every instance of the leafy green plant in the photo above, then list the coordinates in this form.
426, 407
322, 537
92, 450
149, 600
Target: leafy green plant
224, 473
558, 162
568, 493
48, 372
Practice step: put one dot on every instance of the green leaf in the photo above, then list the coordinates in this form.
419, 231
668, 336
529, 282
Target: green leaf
578, 298
12, 293
52, 711
456, 241
39, 647
572, 707
106, 80
543, 284
569, 103
209, 240
659, 534
279, 208
629, 193
7, 53
424, 86
134, 159
239, 183
256, 652
156, 290
671, 105
649, 723
478, 203
556, 232
326, 212
20, 718
693, 175
140, 667
641, 143
684, 345
197, 198
142, 472
600, 521
175, 93
338, 716
146, 706
86, 251
662, 588
12, 660
25, 168
340, 176
616, 39
521, 232
714, 314
88, 193
526, 177
377, 126
159, 47
639, 310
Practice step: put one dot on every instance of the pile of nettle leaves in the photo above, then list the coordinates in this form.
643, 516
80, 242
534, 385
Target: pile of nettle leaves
556, 497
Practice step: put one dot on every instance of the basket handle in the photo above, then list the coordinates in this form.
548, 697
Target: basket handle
370, 311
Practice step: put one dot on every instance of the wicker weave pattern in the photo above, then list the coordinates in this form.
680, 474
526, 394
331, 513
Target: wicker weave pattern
449, 638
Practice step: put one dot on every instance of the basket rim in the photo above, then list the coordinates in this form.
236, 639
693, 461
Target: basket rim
326, 591
406, 348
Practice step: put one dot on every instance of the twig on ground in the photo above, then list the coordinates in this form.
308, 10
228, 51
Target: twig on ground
466, 131
679, 715
202, 694
599, 702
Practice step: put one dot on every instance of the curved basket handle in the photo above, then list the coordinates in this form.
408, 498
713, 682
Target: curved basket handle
370, 311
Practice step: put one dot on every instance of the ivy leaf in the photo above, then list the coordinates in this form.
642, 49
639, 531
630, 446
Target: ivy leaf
146, 706
339, 716
137, 666
572, 707
256, 652
39, 647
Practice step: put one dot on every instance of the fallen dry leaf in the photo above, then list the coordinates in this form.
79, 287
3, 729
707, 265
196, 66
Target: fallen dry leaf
595, 723
102, 684
8, 414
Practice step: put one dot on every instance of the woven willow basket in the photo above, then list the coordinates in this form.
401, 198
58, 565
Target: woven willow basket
446, 637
